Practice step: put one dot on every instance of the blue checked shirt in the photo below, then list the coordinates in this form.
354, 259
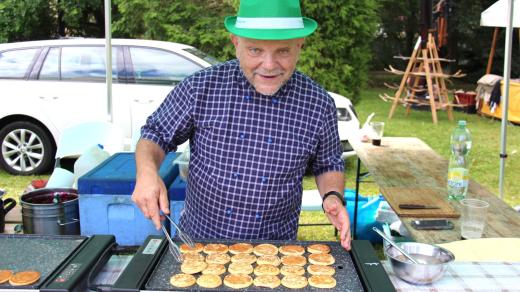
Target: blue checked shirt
249, 151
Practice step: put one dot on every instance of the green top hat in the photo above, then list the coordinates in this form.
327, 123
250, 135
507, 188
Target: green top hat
270, 20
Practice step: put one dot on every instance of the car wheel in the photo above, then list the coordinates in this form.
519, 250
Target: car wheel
25, 149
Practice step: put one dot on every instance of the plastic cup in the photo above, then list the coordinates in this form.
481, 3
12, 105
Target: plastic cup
473, 218
377, 132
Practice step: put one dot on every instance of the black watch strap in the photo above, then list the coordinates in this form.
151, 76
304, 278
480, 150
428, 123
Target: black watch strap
334, 193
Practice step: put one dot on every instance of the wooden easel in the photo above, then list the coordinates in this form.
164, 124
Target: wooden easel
424, 63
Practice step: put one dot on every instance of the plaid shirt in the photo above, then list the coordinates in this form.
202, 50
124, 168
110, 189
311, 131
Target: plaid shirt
249, 151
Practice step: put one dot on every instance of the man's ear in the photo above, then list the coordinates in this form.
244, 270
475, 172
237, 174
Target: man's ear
301, 42
234, 39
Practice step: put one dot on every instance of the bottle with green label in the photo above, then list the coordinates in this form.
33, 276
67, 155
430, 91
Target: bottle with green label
458, 169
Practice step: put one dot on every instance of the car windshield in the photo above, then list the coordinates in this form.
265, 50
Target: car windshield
208, 58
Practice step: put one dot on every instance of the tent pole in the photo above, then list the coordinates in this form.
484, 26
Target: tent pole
492, 52
505, 103
108, 63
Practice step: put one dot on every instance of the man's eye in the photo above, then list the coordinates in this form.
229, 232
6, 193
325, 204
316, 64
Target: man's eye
254, 51
284, 52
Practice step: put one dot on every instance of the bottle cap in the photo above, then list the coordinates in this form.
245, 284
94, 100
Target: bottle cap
462, 123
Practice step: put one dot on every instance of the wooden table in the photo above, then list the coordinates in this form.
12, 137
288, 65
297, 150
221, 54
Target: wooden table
410, 164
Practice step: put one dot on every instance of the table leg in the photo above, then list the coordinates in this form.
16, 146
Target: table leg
356, 201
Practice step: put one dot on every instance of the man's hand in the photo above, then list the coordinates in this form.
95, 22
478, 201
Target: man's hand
338, 216
150, 196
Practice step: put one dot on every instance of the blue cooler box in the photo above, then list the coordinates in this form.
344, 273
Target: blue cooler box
176, 195
367, 212
105, 203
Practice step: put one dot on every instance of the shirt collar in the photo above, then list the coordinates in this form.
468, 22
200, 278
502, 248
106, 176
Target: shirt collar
248, 87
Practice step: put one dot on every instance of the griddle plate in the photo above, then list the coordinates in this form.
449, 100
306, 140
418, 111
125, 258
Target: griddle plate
346, 275
35, 252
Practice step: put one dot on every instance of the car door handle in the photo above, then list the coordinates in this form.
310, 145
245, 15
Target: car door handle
143, 101
47, 98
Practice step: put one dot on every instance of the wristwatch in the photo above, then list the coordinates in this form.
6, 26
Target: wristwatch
334, 193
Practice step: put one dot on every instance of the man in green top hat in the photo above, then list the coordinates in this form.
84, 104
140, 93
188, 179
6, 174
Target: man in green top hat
254, 125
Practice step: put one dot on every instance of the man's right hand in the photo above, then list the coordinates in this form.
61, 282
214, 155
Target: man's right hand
150, 196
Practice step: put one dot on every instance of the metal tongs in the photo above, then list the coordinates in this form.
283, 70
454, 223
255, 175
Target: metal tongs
183, 236
175, 251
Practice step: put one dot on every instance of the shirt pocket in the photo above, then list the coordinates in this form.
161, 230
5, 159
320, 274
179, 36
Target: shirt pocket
290, 154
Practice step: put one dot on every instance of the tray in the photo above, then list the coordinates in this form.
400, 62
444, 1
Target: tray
346, 275
423, 196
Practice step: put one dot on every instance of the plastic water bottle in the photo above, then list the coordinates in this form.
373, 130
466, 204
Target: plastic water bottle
458, 170
88, 160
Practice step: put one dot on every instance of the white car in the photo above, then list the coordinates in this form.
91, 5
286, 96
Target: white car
48, 86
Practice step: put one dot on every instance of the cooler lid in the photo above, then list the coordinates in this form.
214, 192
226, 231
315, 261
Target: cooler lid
116, 175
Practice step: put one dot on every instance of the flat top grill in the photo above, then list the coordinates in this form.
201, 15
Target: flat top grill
40, 253
346, 274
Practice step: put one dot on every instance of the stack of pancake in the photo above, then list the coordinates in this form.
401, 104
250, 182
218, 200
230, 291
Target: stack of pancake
264, 265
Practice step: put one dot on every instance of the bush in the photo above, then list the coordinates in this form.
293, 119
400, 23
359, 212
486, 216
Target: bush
336, 56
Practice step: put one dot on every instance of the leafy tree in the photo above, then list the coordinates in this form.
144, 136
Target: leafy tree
81, 18
337, 55
22, 20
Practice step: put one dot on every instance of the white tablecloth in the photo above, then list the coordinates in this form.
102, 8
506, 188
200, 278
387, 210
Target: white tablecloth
467, 276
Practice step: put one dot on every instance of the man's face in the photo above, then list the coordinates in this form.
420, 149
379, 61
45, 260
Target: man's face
267, 64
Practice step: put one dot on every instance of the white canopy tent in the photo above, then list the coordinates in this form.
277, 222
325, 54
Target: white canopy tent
496, 14
504, 13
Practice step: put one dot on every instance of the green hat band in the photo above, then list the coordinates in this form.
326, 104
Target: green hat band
269, 22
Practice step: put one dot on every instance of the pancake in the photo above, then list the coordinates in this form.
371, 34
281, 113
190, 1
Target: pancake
322, 281
267, 281
265, 249
192, 257
193, 267
213, 248
240, 268
5, 275
186, 249
243, 258
209, 281
292, 250
24, 278
268, 260
262, 270
218, 258
215, 269
294, 282
292, 270
239, 281
182, 280
318, 248
324, 259
321, 270
241, 248
294, 260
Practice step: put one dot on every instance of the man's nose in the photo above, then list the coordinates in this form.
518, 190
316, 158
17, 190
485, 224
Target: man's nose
269, 62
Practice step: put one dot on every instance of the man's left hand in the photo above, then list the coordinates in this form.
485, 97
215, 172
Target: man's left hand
338, 216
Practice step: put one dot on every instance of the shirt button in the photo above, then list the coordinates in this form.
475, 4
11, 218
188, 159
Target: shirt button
235, 174
229, 212
274, 101
242, 136
258, 216
263, 179
269, 140
247, 97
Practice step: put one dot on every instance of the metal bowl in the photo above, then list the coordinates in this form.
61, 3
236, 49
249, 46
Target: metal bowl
433, 260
